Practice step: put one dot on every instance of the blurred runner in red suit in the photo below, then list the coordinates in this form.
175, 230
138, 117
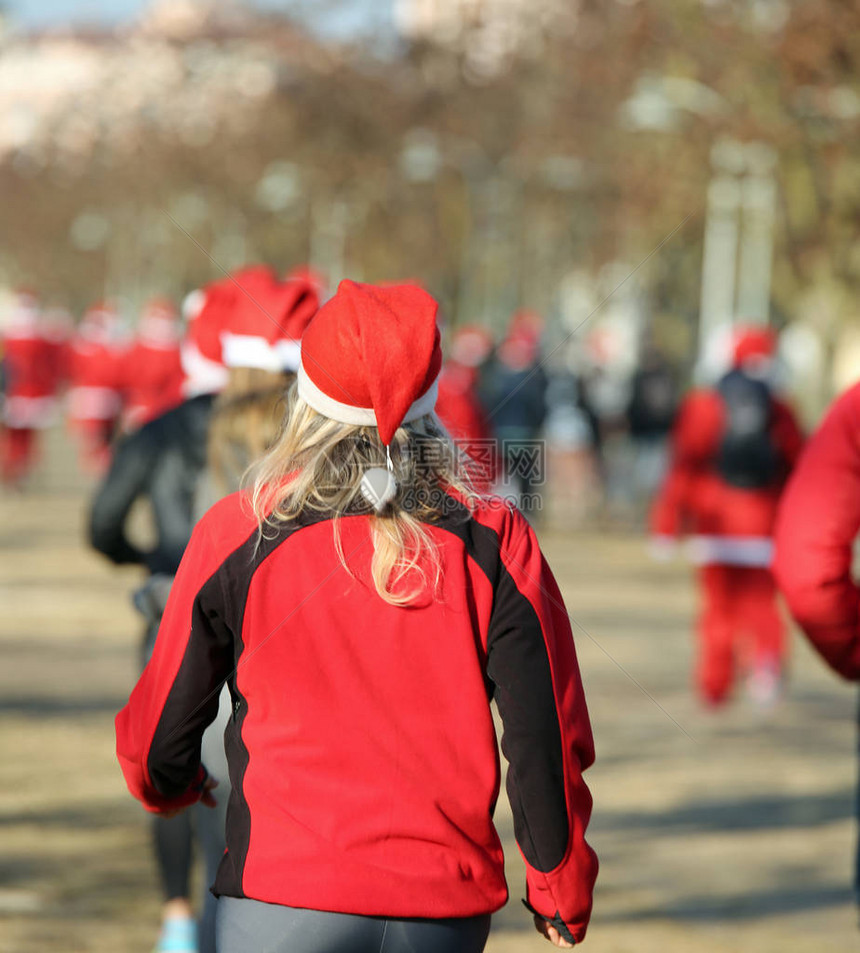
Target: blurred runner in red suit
459, 407
733, 447
57, 329
94, 400
30, 389
150, 371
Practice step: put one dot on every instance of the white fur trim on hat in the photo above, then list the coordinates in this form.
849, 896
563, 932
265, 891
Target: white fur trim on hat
202, 375
290, 354
360, 416
192, 304
245, 350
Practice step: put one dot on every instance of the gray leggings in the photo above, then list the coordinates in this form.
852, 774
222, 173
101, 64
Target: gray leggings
249, 926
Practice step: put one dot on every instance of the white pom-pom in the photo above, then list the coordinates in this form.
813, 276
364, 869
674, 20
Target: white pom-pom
378, 487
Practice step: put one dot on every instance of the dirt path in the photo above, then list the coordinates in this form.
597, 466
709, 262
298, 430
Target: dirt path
715, 832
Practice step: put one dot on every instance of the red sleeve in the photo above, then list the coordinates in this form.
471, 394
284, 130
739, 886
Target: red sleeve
159, 731
546, 731
694, 440
818, 519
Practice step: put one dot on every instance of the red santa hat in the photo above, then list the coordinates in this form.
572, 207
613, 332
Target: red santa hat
264, 331
754, 344
309, 275
249, 319
200, 350
372, 356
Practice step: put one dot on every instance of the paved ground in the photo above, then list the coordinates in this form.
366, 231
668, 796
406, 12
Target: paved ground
716, 833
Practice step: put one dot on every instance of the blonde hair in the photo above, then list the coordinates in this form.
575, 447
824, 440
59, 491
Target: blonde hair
316, 466
247, 418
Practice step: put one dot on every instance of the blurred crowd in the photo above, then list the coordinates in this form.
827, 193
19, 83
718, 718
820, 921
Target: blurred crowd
105, 382
531, 419
566, 439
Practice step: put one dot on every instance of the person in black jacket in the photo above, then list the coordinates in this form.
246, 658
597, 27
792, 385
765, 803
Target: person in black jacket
161, 462
515, 397
167, 463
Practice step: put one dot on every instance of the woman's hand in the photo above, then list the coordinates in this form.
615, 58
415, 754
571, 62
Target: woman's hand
206, 797
545, 928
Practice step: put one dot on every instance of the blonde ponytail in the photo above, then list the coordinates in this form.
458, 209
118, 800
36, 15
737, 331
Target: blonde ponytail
316, 467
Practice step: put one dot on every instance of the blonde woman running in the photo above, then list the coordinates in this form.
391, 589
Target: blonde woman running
363, 608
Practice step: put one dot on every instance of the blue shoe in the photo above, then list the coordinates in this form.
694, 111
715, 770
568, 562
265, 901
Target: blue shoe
178, 935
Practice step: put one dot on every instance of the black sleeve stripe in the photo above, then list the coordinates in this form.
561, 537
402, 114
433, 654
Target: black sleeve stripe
174, 755
216, 626
518, 667
482, 546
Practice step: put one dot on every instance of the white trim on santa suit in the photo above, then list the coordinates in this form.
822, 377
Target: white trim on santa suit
754, 551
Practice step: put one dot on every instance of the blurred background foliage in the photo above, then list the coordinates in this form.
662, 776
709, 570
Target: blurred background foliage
503, 153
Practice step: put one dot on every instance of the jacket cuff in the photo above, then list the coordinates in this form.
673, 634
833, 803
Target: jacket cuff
556, 921
158, 804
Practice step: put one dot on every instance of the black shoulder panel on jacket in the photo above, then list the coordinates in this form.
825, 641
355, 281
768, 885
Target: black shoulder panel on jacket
220, 604
531, 741
213, 652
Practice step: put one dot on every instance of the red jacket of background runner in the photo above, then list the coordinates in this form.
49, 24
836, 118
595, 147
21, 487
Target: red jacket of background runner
94, 392
31, 382
150, 376
819, 519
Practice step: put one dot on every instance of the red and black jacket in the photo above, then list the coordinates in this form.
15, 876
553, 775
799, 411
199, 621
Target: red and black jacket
362, 750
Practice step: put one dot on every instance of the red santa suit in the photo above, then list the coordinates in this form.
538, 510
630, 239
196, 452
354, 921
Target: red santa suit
731, 528
459, 406
818, 522
57, 328
30, 398
150, 371
94, 400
